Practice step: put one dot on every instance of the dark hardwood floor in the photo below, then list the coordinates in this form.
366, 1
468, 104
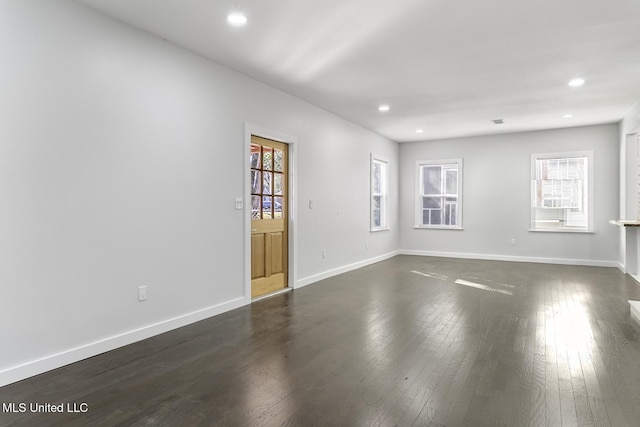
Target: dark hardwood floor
408, 341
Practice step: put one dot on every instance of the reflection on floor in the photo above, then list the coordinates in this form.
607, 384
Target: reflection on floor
383, 345
431, 274
469, 283
483, 287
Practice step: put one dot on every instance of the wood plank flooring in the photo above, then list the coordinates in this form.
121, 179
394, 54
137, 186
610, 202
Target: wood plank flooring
411, 341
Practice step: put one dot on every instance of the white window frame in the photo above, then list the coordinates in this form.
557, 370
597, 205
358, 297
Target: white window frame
419, 192
554, 223
383, 194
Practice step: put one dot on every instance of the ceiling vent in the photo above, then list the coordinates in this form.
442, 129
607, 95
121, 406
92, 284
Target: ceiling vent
497, 121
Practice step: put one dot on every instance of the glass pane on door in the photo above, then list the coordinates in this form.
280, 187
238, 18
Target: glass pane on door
268, 182
277, 184
255, 182
255, 207
278, 160
254, 158
278, 203
266, 186
267, 158
267, 207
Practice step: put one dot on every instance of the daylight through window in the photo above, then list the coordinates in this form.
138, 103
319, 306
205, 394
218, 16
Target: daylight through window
561, 192
439, 202
379, 186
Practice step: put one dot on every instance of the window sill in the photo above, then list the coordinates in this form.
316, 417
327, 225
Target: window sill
560, 230
375, 230
436, 227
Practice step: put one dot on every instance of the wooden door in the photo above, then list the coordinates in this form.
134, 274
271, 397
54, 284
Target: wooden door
269, 249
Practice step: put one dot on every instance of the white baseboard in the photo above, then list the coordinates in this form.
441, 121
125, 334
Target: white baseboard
58, 360
493, 257
344, 269
54, 361
635, 277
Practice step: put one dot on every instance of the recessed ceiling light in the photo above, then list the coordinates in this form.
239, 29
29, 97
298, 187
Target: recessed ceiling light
576, 82
237, 19
383, 108
419, 131
567, 116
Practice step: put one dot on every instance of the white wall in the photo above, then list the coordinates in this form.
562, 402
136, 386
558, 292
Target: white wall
120, 159
629, 183
629, 126
496, 197
340, 218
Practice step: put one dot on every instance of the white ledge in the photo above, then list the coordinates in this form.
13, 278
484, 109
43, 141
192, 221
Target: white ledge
634, 307
560, 230
436, 227
625, 222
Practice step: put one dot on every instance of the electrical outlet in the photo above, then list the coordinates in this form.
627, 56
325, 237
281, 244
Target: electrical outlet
366, 245
310, 204
142, 293
324, 253
513, 242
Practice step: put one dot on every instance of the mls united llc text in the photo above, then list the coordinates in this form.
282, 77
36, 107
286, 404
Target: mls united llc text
23, 407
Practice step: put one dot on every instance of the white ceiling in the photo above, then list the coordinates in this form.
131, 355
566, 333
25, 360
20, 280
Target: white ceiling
447, 67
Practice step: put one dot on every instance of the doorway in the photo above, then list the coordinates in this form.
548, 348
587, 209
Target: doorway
269, 181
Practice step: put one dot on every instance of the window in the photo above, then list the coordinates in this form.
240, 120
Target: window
268, 184
561, 191
379, 185
439, 198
